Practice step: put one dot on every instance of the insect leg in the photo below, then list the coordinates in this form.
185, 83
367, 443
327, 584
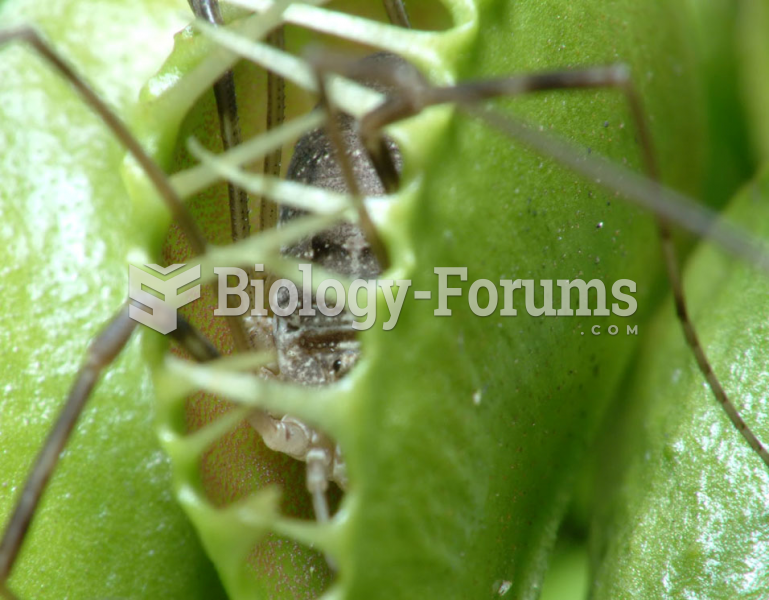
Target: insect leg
193, 341
618, 77
154, 173
227, 107
117, 332
118, 128
276, 112
396, 12
101, 353
337, 143
229, 123
318, 474
290, 436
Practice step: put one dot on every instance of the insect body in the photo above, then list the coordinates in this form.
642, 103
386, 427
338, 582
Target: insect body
315, 349
342, 249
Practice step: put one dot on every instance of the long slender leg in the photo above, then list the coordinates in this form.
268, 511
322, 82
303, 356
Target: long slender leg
388, 174
118, 128
396, 12
229, 124
318, 473
292, 437
276, 111
229, 127
126, 138
273, 161
227, 106
193, 341
229, 120
337, 142
413, 101
277, 432
101, 353
113, 338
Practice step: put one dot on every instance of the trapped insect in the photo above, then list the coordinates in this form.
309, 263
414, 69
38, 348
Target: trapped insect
467, 373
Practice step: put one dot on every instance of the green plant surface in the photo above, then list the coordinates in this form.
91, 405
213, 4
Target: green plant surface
754, 66
568, 576
449, 496
719, 39
684, 500
109, 525
462, 434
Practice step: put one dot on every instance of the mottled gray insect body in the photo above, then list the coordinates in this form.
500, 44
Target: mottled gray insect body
318, 350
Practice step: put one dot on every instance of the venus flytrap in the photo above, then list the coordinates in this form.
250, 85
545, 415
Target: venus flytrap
681, 504
696, 525
460, 433
413, 418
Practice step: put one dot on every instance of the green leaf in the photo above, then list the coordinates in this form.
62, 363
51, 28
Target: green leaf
462, 433
108, 525
684, 498
754, 70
